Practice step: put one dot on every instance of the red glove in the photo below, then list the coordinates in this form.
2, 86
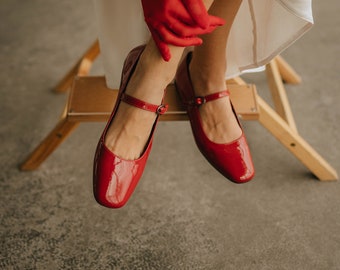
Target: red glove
178, 22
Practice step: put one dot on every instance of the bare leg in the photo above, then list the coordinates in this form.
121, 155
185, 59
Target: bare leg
207, 71
131, 127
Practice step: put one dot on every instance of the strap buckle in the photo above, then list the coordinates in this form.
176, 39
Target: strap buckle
198, 101
161, 109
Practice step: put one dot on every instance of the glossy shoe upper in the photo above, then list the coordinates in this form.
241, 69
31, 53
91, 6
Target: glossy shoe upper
232, 159
114, 178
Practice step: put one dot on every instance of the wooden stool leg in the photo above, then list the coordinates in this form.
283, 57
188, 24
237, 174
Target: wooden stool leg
81, 68
49, 144
295, 143
279, 94
288, 74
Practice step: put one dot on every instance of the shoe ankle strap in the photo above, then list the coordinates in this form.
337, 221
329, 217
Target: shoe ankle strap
198, 101
158, 109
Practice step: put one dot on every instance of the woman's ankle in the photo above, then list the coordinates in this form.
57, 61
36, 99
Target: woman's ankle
206, 82
151, 77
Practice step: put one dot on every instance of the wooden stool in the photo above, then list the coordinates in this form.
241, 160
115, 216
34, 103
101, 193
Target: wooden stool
248, 105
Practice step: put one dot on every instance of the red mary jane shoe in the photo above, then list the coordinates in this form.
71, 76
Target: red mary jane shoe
114, 178
233, 160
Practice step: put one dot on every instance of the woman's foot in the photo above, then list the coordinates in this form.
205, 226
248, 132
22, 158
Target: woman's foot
130, 129
129, 132
115, 177
217, 117
216, 130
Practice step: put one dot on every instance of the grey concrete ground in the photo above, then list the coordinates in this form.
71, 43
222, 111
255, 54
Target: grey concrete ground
183, 215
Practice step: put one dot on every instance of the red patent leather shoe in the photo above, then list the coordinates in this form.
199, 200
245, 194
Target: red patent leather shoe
233, 160
114, 178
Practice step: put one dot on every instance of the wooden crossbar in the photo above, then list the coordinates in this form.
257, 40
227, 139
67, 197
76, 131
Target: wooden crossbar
90, 100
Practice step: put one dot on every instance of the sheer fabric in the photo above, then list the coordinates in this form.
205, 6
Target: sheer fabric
261, 30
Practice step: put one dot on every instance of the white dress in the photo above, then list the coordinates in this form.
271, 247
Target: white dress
261, 30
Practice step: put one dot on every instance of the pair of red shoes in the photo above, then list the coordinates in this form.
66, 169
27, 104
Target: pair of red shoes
114, 178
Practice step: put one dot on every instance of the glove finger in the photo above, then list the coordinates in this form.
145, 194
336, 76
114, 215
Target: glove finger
184, 26
184, 42
163, 48
183, 30
198, 12
216, 21
171, 38
183, 16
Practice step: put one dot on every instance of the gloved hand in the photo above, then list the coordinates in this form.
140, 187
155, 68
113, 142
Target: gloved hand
178, 22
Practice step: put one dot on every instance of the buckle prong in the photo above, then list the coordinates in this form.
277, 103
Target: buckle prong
200, 101
161, 109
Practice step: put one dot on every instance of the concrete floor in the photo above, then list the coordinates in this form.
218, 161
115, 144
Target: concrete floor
183, 215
